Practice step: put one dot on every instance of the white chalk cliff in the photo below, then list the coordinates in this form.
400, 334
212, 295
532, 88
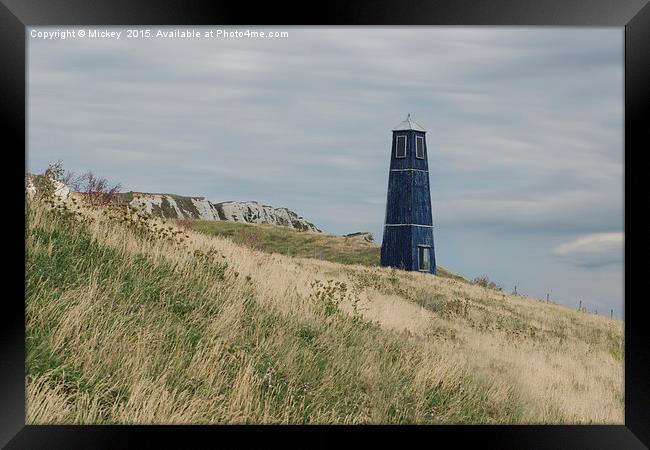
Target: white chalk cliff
179, 207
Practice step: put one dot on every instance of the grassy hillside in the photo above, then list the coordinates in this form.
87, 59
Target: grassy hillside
287, 241
131, 320
303, 244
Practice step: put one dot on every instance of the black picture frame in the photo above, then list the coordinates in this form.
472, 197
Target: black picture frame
16, 15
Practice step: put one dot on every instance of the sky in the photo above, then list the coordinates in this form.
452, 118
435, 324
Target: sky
524, 134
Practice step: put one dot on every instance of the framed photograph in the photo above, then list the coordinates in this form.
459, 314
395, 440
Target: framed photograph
370, 217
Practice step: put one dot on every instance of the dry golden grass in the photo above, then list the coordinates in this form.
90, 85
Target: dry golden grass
126, 326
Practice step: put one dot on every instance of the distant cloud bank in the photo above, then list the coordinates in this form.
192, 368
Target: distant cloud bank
592, 250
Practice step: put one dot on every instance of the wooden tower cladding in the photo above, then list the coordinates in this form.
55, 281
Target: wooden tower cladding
408, 227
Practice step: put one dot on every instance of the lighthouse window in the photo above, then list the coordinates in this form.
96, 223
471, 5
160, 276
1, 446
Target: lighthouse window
400, 149
419, 147
424, 258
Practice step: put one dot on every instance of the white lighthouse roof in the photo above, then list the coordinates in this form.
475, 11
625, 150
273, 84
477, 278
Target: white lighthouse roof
409, 124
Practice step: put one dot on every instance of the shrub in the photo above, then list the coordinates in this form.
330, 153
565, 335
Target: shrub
94, 190
330, 294
487, 283
45, 183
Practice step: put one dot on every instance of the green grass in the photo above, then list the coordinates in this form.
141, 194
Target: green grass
287, 241
290, 242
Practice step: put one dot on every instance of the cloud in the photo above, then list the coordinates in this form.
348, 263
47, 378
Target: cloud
533, 208
593, 250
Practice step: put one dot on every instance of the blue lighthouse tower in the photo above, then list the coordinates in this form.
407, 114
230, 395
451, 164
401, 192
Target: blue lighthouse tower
408, 227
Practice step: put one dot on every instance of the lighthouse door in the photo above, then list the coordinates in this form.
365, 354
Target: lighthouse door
424, 258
